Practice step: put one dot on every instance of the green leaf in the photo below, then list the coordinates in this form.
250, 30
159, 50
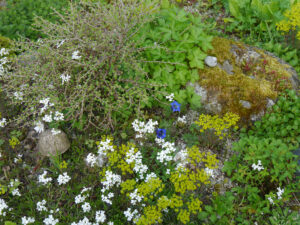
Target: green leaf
196, 57
234, 8
9, 223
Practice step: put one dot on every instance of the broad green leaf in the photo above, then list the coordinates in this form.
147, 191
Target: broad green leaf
234, 8
196, 57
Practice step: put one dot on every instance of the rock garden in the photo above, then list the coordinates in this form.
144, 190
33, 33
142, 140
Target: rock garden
149, 112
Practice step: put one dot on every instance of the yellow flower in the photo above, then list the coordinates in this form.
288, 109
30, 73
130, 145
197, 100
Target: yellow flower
63, 165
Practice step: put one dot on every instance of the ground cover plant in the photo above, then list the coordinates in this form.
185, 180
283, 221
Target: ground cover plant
143, 150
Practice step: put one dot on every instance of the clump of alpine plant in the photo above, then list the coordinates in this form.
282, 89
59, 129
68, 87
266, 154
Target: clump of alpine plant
89, 71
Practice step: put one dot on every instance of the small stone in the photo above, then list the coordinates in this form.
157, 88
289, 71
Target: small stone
52, 145
270, 103
245, 104
211, 61
227, 67
199, 90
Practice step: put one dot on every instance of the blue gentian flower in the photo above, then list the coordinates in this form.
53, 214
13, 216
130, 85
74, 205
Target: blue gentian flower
175, 106
161, 133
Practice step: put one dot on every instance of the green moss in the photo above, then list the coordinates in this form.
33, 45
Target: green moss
4, 42
240, 86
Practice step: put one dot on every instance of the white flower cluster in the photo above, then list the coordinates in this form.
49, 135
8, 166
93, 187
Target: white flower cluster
57, 117
182, 119
50, 220
13, 185
109, 181
27, 220
40, 206
63, 179
107, 198
91, 159
279, 195
84, 221
170, 97
3, 61
75, 55
167, 153
135, 197
136, 157
279, 192
46, 104
141, 128
131, 215
86, 207
3, 206
42, 178
258, 167
3, 122
65, 78
100, 216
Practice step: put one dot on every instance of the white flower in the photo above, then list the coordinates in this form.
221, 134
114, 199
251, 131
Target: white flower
50, 220
258, 167
55, 132
48, 118
271, 200
3, 206
79, 199
18, 95
65, 78
141, 128
86, 207
3, 122
75, 55
39, 128
58, 116
100, 217
40, 206
16, 192
170, 97
91, 159
182, 119
63, 179
135, 197
280, 192
110, 180
42, 178
85, 221
110, 223
27, 220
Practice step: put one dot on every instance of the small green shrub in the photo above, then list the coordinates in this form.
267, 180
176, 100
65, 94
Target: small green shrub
18, 16
174, 47
88, 70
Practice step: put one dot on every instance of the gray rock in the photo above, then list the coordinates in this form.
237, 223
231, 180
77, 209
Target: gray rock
199, 90
52, 145
227, 67
270, 103
245, 104
211, 61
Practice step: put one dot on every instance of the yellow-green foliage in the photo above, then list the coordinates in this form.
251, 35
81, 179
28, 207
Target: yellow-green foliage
175, 192
231, 89
293, 22
220, 125
4, 42
13, 142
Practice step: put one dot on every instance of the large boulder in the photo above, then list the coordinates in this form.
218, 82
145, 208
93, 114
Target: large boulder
50, 144
246, 80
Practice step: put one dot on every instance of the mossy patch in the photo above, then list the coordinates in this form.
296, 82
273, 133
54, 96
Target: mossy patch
254, 81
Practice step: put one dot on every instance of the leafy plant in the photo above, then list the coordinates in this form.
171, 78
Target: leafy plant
18, 16
174, 47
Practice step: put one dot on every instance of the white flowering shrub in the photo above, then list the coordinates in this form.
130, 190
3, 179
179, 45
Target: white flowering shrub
86, 69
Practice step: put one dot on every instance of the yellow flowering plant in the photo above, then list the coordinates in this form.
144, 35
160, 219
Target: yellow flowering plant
292, 22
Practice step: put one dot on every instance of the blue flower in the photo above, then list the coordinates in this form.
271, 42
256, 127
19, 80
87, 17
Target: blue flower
175, 106
161, 133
